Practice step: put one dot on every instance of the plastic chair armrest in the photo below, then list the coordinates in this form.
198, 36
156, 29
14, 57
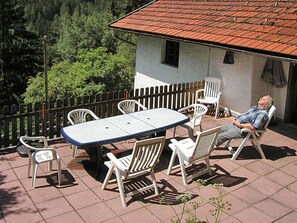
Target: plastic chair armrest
181, 110
115, 161
246, 130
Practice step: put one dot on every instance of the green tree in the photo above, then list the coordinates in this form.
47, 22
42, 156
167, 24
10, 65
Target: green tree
19, 53
95, 71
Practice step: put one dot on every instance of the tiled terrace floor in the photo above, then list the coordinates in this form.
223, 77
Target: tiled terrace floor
259, 190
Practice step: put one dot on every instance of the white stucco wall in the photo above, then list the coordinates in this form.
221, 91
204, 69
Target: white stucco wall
241, 82
150, 71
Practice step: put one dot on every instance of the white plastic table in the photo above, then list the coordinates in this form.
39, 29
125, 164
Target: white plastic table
95, 133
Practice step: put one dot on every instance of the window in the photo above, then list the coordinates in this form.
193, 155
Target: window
229, 57
172, 53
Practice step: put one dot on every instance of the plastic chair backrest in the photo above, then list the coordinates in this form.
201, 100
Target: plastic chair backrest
212, 87
129, 106
145, 155
199, 111
270, 115
80, 115
204, 143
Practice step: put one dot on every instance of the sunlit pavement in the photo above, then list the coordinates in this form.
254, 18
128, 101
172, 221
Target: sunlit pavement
258, 190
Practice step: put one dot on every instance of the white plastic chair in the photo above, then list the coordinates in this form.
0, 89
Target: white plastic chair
39, 152
198, 111
145, 155
189, 152
211, 93
254, 136
130, 105
79, 116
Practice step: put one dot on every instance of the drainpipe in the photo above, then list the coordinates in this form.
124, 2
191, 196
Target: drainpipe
208, 61
121, 39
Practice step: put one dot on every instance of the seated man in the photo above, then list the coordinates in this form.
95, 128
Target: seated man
254, 118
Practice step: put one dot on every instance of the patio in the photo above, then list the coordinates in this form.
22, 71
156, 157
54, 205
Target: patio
259, 190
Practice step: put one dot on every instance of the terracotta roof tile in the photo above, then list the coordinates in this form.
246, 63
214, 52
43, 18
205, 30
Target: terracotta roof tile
268, 25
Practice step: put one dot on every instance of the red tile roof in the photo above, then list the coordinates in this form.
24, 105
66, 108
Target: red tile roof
248, 24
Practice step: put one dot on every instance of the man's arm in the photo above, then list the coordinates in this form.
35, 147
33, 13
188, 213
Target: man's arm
245, 125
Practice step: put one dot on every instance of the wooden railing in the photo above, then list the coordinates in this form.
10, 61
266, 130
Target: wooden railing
48, 119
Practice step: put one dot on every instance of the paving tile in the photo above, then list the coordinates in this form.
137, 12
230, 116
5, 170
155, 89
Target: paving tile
109, 193
164, 212
83, 199
54, 207
42, 194
22, 172
225, 166
289, 218
280, 177
11, 189
100, 213
8, 175
14, 202
286, 197
27, 214
237, 204
272, 208
69, 217
277, 164
251, 214
116, 205
265, 186
245, 174
260, 168
90, 182
202, 213
230, 219
249, 195
139, 215
16, 161
73, 188
293, 187
4, 164
114, 220
290, 169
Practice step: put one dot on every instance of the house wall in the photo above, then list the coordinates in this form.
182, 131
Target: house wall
241, 86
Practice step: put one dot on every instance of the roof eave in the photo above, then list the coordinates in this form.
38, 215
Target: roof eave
291, 58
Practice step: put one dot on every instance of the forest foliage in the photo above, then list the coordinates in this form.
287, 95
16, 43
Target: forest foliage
83, 56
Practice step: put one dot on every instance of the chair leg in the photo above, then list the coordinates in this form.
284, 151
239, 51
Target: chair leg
191, 133
74, 148
217, 110
183, 169
108, 175
59, 171
50, 165
29, 167
171, 161
154, 182
34, 174
236, 153
121, 187
174, 132
208, 168
258, 147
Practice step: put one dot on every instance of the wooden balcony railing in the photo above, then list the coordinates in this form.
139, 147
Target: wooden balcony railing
48, 119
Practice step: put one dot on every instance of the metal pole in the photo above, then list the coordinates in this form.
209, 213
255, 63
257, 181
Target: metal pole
45, 104
45, 68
